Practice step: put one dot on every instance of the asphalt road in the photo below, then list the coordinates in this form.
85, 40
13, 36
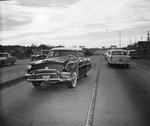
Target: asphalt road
10, 72
122, 98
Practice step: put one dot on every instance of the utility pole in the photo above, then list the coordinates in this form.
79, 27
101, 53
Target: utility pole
141, 38
148, 37
129, 41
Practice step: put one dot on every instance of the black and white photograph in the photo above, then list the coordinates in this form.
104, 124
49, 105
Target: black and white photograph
74, 63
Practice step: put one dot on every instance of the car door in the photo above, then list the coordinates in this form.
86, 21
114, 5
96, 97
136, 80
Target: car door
81, 64
10, 58
6, 60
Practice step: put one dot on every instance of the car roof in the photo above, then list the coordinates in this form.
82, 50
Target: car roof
67, 48
118, 50
132, 50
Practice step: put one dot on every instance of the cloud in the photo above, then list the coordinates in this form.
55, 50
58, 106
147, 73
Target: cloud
56, 18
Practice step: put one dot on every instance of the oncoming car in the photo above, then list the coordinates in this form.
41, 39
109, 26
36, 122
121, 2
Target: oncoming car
35, 56
133, 54
39, 55
7, 58
62, 65
118, 57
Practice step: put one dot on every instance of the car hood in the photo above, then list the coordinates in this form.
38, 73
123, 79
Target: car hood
59, 60
52, 63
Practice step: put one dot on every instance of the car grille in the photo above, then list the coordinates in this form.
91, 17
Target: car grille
38, 74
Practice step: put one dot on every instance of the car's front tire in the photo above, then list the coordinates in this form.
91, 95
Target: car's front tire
73, 83
1, 63
36, 84
12, 63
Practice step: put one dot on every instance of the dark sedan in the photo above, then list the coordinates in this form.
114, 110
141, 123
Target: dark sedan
62, 65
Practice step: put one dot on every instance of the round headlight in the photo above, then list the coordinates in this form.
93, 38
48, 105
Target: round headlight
28, 67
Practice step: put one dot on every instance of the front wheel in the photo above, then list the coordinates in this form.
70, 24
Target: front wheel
36, 84
12, 63
1, 63
73, 83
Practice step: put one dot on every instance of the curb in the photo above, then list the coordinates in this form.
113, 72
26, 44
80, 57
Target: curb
11, 82
140, 66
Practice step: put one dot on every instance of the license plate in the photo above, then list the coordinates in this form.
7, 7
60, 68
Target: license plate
46, 78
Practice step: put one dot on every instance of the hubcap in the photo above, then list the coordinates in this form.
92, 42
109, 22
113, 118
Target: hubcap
74, 81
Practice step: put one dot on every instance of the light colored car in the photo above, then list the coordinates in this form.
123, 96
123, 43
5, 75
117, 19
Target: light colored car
133, 54
118, 57
6, 58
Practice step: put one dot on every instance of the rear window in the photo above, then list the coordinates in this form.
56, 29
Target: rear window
133, 52
119, 53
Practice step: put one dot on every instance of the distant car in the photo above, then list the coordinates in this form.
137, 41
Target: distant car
118, 57
6, 58
105, 54
133, 54
39, 55
62, 65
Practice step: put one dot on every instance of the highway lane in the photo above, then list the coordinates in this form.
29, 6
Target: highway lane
25, 105
123, 98
9, 72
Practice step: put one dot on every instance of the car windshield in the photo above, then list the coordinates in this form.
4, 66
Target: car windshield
119, 53
61, 53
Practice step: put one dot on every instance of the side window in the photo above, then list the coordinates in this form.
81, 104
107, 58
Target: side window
56, 54
50, 54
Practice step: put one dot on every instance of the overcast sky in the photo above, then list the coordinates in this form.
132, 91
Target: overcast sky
90, 23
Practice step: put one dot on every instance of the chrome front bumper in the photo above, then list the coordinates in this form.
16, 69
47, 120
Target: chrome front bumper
117, 62
46, 77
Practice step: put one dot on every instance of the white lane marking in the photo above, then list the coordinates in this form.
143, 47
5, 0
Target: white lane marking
90, 115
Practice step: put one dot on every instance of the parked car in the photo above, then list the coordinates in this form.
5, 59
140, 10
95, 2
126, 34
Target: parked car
118, 57
62, 65
7, 58
133, 54
39, 55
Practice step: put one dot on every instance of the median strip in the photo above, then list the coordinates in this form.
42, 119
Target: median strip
90, 114
11, 82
